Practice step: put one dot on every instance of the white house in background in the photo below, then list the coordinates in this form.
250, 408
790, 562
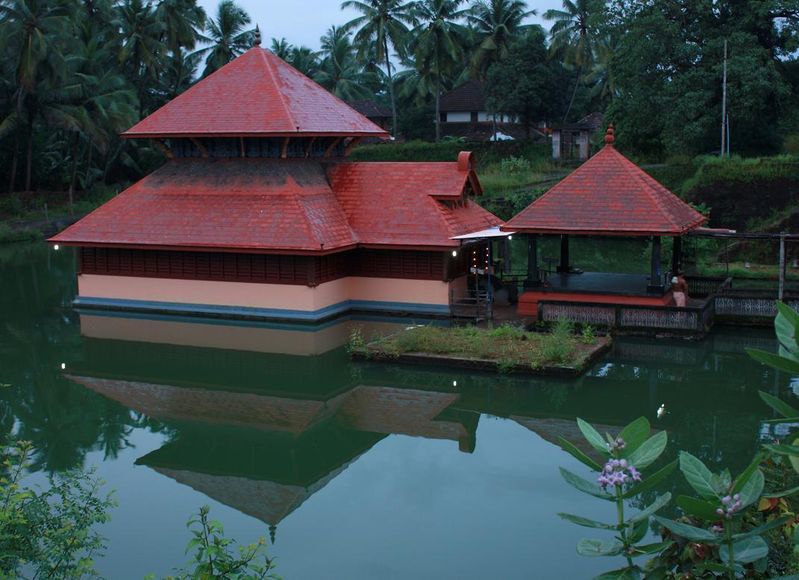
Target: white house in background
464, 114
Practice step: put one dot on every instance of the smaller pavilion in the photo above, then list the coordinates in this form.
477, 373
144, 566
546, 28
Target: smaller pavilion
608, 195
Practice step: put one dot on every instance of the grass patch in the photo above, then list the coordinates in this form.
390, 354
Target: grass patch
508, 347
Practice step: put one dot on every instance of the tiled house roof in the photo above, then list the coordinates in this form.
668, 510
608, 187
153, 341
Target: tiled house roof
288, 206
256, 95
470, 96
608, 195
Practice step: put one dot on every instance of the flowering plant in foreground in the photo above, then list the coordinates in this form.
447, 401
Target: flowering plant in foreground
626, 456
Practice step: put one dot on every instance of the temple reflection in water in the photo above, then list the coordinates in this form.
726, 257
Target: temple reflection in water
261, 417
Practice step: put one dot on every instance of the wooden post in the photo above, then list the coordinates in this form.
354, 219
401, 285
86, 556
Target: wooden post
564, 254
655, 274
676, 256
781, 292
533, 275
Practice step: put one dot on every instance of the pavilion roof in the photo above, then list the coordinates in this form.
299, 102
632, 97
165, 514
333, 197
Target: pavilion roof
288, 206
256, 95
607, 195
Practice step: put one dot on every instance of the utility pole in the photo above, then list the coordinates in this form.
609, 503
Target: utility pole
724, 107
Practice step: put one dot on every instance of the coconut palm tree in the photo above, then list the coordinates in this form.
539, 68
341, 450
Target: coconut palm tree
437, 44
381, 25
304, 60
228, 36
141, 49
181, 24
339, 70
574, 37
30, 27
281, 48
496, 24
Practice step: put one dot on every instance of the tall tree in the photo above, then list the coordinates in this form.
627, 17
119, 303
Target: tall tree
574, 36
339, 71
382, 24
228, 36
31, 26
437, 45
141, 49
281, 48
496, 23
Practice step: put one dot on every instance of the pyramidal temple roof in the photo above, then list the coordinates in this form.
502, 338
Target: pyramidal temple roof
256, 95
607, 195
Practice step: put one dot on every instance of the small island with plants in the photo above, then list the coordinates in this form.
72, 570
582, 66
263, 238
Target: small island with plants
506, 348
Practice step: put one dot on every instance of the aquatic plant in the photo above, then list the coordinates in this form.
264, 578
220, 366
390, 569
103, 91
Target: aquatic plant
626, 456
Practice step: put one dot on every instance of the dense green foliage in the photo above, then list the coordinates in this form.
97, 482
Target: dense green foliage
75, 73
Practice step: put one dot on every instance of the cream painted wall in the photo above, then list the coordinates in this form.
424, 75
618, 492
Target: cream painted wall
274, 296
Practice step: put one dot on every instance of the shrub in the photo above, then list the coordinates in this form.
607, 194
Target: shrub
515, 165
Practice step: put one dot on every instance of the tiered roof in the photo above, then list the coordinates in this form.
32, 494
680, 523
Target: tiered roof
607, 195
296, 206
256, 95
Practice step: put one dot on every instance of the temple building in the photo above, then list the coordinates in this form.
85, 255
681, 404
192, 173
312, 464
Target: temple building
258, 214
608, 196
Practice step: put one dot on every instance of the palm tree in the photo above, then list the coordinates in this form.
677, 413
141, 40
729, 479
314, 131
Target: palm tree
437, 44
496, 23
304, 60
382, 23
181, 22
281, 48
30, 26
227, 35
141, 47
339, 71
573, 36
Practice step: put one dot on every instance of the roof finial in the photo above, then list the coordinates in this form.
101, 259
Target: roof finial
610, 136
272, 533
257, 40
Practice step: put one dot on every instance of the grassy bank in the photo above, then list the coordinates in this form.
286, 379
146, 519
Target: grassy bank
506, 348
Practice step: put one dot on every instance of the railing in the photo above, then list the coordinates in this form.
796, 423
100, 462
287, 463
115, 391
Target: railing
692, 319
706, 286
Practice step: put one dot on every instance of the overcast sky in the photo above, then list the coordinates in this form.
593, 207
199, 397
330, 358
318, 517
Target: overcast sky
303, 22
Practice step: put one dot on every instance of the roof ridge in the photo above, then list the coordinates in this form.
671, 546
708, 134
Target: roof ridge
639, 174
270, 68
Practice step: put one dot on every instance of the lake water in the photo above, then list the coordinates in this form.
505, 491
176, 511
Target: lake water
355, 470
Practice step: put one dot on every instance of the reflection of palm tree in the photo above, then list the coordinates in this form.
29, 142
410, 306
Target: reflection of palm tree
497, 23
382, 23
228, 36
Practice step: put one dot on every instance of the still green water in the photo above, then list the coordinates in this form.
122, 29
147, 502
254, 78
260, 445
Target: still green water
355, 470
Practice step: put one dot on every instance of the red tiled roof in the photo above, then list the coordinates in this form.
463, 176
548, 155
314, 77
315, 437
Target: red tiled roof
400, 204
288, 206
257, 94
607, 195
246, 204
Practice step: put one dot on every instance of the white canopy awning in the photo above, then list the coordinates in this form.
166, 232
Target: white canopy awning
483, 234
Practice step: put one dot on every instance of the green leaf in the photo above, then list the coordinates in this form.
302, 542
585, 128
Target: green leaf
704, 510
634, 435
593, 437
639, 531
620, 574
584, 485
688, 532
649, 549
783, 449
779, 405
644, 514
786, 325
698, 475
760, 530
741, 480
774, 361
585, 522
745, 551
651, 481
753, 489
599, 548
575, 452
649, 451
786, 493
